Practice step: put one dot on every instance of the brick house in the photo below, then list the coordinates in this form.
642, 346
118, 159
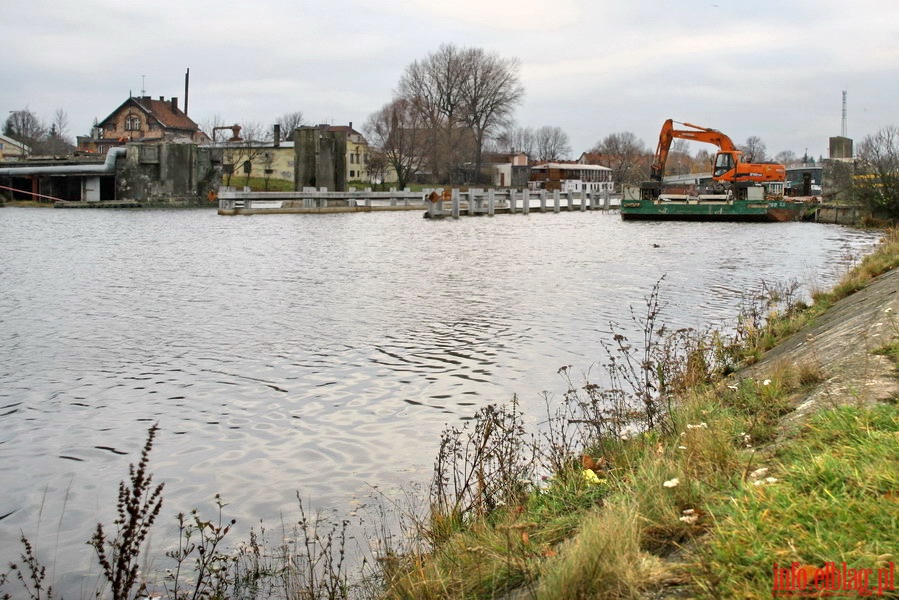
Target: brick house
142, 119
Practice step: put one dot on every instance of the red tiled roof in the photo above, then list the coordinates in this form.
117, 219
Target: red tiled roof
161, 110
173, 118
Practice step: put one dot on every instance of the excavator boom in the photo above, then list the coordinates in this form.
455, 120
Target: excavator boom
729, 165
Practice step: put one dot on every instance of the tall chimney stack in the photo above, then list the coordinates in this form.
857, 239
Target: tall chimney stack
186, 87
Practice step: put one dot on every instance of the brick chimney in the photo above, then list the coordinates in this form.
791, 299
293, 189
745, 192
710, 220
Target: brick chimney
174, 104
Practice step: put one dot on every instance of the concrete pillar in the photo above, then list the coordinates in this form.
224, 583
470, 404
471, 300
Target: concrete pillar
491, 202
455, 201
557, 200
525, 201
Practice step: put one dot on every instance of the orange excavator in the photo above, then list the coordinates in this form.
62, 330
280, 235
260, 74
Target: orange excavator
728, 167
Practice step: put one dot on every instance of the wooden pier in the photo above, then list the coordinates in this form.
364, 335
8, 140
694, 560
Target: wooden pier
315, 201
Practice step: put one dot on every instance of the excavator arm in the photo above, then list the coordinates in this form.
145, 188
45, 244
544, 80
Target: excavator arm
695, 133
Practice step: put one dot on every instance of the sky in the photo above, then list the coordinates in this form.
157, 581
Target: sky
775, 70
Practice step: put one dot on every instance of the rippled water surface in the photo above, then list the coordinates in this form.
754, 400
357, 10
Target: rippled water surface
318, 354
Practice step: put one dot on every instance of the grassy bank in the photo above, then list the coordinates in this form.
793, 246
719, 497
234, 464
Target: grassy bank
703, 503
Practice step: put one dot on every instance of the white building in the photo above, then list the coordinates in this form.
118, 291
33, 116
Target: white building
571, 177
10, 149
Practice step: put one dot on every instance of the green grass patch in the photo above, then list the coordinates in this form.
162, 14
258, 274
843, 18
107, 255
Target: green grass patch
259, 184
832, 497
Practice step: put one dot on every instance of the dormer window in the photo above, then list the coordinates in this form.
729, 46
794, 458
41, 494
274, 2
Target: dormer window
132, 123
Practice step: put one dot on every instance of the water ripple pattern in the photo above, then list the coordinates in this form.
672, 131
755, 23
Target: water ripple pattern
317, 353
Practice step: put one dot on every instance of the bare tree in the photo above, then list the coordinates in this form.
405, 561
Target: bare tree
877, 178
433, 87
462, 97
378, 166
702, 161
491, 90
61, 123
754, 149
518, 139
26, 127
241, 155
679, 160
396, 132
288, 122
626, 155
552, 143
786, 157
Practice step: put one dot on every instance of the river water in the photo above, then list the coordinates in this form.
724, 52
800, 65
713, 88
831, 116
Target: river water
317, 354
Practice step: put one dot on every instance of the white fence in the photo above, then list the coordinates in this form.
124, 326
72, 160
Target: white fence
510, 201
437, 202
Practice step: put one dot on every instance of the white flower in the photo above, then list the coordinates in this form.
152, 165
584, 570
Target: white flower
766, 382
681, 447
702, 425
672, 483
688, 511
764, 481
689, 519
761, 472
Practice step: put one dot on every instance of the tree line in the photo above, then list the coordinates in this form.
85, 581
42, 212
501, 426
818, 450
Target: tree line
40, 137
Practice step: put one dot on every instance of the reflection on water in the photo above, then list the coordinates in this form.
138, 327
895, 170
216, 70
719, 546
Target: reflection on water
319, 354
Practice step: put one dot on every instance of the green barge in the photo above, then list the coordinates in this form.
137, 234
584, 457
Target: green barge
746, 203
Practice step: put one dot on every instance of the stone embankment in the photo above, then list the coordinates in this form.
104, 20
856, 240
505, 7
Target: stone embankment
840, 343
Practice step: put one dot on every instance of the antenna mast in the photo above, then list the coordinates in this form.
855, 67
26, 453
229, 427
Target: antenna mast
843, 127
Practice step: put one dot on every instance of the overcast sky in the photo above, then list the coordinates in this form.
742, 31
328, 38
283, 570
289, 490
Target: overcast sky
762, 68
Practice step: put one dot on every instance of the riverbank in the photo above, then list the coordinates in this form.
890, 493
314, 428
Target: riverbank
753, 484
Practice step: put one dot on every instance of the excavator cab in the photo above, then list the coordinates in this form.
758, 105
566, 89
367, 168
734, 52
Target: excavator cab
724, 163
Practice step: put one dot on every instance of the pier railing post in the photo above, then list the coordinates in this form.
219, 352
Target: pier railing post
557, 201
542, 200
526, 204
491, 202
455, 201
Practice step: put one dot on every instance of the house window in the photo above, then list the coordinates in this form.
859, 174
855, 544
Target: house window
132, 123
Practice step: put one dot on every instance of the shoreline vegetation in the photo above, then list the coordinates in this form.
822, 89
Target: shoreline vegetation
690, 473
